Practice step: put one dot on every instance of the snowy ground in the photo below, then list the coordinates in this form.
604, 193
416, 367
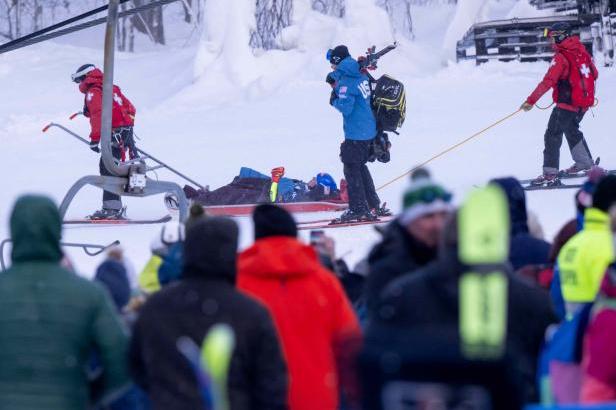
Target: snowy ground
209, 128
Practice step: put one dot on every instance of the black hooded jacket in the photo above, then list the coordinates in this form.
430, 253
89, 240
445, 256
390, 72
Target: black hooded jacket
397, 253
427, 302
524, 249
206, 295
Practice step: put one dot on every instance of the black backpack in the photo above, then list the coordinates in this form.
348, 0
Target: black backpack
389, 103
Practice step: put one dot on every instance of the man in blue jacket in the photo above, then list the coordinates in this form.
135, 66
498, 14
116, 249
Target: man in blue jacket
351, 96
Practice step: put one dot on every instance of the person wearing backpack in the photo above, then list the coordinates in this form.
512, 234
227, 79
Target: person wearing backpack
351, 96
572, 76
90, 81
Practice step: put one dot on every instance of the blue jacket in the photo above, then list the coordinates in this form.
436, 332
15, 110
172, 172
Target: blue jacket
353, 91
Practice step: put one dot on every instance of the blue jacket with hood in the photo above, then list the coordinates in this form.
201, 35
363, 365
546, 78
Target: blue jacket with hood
353, 91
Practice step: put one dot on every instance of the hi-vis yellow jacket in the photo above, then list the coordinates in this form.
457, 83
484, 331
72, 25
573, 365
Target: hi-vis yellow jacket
583, 260
148, 278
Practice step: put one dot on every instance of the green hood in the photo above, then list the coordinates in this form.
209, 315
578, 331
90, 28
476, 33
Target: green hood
36, 229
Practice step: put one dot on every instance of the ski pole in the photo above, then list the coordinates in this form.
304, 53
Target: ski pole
142, 152
440, 154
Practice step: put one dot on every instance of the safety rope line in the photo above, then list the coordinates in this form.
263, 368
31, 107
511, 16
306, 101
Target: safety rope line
83, 26
440, 154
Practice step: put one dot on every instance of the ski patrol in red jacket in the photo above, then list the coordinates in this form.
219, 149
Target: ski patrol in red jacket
123, 114
570, 53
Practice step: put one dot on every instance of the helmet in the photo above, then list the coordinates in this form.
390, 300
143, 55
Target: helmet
558, 31
81, 72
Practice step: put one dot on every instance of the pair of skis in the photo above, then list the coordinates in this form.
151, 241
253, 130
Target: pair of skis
329, 223
526, 183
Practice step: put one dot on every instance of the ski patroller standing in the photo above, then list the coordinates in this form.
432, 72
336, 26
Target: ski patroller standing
351, 95
90, 80
572, 75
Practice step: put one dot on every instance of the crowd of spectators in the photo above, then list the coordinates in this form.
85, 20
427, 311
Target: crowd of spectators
452, 308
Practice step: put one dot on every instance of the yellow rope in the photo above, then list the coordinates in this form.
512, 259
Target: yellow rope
447, 150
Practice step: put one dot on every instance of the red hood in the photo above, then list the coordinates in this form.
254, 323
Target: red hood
571, 45
278, 256
93, 79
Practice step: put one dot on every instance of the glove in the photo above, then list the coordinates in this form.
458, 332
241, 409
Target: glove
277, 173
94, 146
526, 106
330, 79
332, 97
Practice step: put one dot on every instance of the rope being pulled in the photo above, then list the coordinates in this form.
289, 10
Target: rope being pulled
440, 154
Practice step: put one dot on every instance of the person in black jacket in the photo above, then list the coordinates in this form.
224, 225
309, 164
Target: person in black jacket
427, 301
204, 296
411, 241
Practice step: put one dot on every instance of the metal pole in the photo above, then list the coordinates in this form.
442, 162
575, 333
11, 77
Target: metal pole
175, 171
106, 126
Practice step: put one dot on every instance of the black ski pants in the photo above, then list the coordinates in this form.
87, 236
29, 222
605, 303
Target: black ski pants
121, 138
565, 122
354, 156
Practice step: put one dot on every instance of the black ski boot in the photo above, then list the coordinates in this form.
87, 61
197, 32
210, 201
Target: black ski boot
382, 210
350, 216
108, 214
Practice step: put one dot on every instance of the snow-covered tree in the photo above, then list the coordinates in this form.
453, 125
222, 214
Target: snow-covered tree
400, 16
271, 17
335, 8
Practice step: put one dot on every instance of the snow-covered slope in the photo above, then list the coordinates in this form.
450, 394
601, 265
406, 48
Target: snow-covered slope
210, 114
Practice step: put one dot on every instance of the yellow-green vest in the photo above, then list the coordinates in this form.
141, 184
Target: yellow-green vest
583, 261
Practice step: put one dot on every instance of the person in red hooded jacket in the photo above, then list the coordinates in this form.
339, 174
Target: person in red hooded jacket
314, 319
571, 76
90, 80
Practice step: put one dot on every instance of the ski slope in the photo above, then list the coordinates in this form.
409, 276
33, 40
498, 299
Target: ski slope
208, 111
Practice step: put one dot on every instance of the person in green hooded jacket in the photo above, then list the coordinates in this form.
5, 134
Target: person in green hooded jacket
52, 321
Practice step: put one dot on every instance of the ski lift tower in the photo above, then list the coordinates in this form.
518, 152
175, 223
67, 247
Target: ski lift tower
129, 177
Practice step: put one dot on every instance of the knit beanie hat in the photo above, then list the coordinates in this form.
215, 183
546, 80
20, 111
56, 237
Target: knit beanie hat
605, 193
336, 55
422, 197
272, 220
